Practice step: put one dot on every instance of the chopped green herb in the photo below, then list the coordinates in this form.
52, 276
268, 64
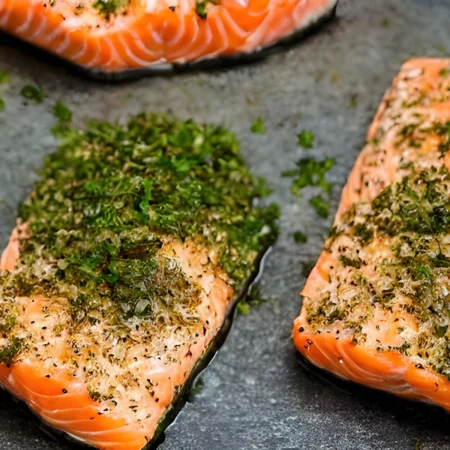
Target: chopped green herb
363, 233
4, 77
252, 300
441, 330
400, 330
443, 130
310, 173
108, 8
243, 307
300, 238
423, 272
62, 112
386, 22
320, 205
444, 72
306, 139
7, 317
201, 10
346, 261
9, 351
201, 7
33, 93
353, 101
2, 104
441, 48
258, 126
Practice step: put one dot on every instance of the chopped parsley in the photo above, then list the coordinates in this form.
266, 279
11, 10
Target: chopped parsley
10, 350
258, 126
2, 104
62, 112
441, 330
310, 172
364, 234
320, 205
443, 130
108, 8
300, 238
33, 93
201, 8
253, 300
7, 316
353, 101
346, 261
306, 139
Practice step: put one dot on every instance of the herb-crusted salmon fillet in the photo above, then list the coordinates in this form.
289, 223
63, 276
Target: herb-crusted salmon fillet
376, 306
112, 36
121, 272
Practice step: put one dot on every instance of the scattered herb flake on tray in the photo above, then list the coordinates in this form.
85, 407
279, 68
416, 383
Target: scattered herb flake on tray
62, 112
300, 238
33, 93
2, 104
353, 101
258, 126
320, 205
306, 139
310, 173
252, 300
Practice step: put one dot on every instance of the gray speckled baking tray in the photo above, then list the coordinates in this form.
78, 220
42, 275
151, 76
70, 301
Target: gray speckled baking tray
256, 394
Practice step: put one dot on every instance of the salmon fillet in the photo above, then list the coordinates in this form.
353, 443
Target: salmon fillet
117, 35
127, 258
376, 305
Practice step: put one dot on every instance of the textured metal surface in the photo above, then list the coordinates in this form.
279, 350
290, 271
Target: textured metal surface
256, 394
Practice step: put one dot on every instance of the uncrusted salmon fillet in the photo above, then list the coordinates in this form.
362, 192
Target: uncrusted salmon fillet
121, 272
117, 35
376, 305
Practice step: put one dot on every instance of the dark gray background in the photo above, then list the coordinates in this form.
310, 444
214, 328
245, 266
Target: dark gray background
256, 394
